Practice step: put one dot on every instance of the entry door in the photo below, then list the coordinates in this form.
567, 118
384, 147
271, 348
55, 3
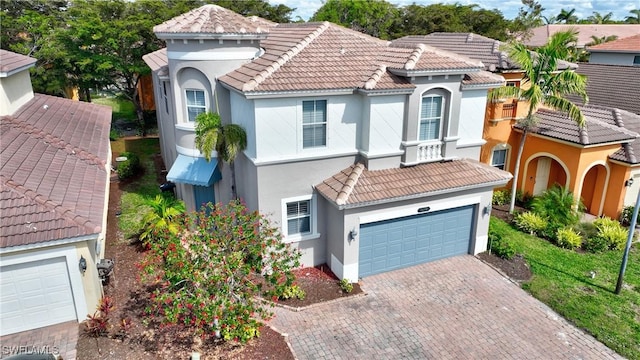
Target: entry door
542, 175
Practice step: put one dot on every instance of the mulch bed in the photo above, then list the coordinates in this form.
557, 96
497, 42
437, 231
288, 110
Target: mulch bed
148, 341
516, 268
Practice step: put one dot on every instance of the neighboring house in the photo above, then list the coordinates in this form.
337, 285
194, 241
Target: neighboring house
618, 87
625, 51
586, 32
363, 152
54, 188
587, 162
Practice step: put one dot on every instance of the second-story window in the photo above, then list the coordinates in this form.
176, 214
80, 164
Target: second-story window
430, 117
195, 103
314, 123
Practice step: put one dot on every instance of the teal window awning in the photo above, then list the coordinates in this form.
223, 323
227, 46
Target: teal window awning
194, 171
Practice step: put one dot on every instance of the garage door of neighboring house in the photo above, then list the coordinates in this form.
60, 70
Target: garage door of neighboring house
402, 242
35, 294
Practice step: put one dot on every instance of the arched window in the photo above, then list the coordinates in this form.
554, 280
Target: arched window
432, 114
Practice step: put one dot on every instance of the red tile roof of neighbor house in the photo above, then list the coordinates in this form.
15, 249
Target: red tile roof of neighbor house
603, 125
357, 186
627, 44
541, 34
473, 46
53, 170
213, 19
10, 61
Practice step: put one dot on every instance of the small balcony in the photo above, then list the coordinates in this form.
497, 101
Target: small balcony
509, 110
430, 151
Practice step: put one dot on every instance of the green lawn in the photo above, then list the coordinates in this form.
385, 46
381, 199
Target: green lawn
562, 280
121, 109
146, 187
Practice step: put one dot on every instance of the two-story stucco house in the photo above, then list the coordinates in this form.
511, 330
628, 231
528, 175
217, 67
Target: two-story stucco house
364, 153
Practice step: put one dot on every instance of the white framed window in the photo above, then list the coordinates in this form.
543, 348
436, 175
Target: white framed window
165, 98
196, 103
500, 156
431, 114
314, 123
299, 218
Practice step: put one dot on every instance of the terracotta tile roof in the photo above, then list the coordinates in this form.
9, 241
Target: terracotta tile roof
473, 46
10, 62
357, 186
603, 125
213, 19
612, 86
482, 78
629, 152
156, 59
325, 56
630, 44
53, 170
541, 34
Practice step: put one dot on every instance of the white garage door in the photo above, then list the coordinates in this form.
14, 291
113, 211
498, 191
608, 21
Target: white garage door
34, 295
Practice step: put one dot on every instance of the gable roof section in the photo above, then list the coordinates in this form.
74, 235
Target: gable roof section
473, 46
603, 126
157, 59
325, 56
53, 170
11, 62
628, 44
211, 20
356, 186
541, 34
614, 86
629, 152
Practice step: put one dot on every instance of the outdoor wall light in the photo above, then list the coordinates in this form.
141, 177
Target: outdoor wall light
82, 264
486, 210
353, 233
629, 182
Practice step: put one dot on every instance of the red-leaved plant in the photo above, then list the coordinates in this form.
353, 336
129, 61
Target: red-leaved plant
98, 323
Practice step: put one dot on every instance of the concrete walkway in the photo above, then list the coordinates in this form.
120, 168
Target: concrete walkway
457, 308
60, 339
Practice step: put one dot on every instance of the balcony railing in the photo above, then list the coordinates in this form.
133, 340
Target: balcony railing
430, 151
509, 110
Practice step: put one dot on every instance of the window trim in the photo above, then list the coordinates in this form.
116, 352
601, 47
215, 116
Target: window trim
514, 83
443, 104
325, 122
636, 60
186, 103
313, 223
499, 147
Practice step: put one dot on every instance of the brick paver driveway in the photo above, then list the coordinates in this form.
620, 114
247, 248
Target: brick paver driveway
457, 308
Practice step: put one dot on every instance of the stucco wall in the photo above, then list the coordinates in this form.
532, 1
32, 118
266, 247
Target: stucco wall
15, 91
612, 58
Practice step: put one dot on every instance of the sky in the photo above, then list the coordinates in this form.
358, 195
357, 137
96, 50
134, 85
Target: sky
620, 8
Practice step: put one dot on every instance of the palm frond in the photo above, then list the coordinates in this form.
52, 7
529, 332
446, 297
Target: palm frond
567, 107
504, 92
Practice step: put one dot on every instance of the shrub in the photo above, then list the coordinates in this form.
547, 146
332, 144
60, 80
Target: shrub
293, 291
595, 244
500, 246
611, 232
346, 286
523, 199
129, 167
501, 197
557, 206
568, 238
586, 230
530, 222
114, 134
627, 214
98, 323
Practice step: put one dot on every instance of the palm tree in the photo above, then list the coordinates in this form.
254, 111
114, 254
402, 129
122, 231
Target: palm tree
227, 140
162, 216
595, 40
598, 18
634, 18
567, 16
542, 85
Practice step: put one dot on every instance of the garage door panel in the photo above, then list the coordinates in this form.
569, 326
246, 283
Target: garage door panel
35, 294
397, 243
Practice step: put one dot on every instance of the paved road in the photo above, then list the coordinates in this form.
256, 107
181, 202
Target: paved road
457, 308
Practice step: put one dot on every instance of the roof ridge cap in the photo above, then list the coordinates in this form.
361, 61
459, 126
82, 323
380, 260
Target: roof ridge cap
284, 58
349, 184
413, 58
375, 77
44, 201
37, 133
631, 156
